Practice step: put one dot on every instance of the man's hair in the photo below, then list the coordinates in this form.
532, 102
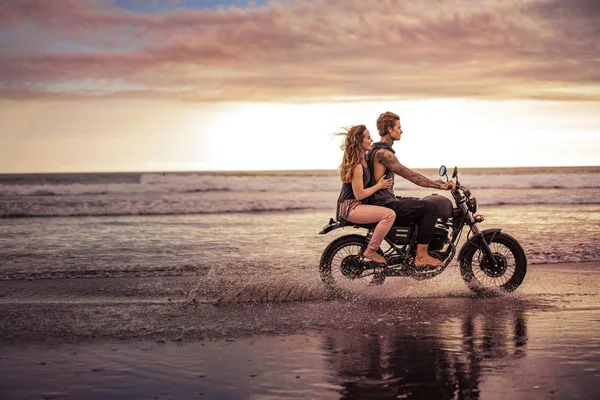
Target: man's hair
386, 120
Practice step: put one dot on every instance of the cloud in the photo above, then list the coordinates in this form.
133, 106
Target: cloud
301, 50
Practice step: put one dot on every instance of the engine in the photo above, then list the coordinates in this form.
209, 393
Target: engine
438, 239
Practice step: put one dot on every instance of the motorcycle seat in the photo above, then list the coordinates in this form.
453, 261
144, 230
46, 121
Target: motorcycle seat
343, 222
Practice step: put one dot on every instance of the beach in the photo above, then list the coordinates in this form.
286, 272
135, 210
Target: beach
148, 337
207, 286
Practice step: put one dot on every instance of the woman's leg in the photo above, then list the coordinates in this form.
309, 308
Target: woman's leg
367, 214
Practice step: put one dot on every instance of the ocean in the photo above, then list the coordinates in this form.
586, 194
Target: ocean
174, 223
187, 193
180, 285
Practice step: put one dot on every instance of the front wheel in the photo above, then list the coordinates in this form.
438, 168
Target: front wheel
342, 265
481, 275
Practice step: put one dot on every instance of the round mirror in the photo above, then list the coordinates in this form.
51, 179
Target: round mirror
442, 170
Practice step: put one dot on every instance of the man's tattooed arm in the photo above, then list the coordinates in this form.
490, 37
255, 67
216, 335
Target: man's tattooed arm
390, 161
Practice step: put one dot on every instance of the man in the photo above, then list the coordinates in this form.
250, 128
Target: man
382, 161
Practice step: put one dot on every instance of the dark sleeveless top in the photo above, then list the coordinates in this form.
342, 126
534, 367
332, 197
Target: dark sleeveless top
346, 200
382, 196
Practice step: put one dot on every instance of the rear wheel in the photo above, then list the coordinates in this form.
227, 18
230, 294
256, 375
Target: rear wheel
509, 270
342, 265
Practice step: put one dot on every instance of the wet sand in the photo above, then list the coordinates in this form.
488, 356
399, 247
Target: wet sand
189, 337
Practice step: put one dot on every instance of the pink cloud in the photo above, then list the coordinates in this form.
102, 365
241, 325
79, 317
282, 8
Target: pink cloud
50, 13
295, 50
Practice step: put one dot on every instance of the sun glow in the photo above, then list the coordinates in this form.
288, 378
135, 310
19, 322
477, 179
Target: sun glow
168, 136
264, 136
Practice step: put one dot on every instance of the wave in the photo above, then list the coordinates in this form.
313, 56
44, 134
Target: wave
157, 184
179, 270
47, 192
207, 190
67, 213
247, 194
475, 182
192, 203
150, 209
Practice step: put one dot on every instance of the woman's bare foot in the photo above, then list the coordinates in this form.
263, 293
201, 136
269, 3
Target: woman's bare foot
375, 256
427, 261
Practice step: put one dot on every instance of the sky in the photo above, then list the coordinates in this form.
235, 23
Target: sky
131, 85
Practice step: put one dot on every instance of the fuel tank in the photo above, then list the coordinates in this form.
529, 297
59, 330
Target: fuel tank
443, 203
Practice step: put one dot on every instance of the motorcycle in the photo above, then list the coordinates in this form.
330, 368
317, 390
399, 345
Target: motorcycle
489, 260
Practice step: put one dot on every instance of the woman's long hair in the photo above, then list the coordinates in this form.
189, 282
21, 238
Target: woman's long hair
353, 152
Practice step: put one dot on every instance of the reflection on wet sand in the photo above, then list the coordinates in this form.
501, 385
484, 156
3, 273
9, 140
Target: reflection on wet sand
432, 361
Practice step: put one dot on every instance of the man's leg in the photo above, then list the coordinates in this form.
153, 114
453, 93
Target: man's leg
425, 214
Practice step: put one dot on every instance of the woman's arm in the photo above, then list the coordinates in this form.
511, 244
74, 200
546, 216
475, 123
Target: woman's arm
358, 188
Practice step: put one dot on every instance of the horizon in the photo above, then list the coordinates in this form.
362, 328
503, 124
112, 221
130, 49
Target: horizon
129, 85
300, 171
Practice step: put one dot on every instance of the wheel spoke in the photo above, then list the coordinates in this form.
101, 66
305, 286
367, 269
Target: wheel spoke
341, 267
487, 276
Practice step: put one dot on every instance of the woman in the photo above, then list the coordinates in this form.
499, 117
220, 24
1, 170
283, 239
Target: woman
355, 176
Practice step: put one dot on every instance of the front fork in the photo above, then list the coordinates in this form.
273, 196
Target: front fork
478, 235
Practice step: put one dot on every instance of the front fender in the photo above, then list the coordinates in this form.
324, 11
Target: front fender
488, 234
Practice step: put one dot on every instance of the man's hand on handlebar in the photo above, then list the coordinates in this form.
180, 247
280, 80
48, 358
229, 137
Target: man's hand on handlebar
450, 185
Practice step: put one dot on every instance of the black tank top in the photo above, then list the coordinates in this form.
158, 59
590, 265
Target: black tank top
347, 193
382, 196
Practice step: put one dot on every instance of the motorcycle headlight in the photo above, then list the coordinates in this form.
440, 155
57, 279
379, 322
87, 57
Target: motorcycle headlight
473, 205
